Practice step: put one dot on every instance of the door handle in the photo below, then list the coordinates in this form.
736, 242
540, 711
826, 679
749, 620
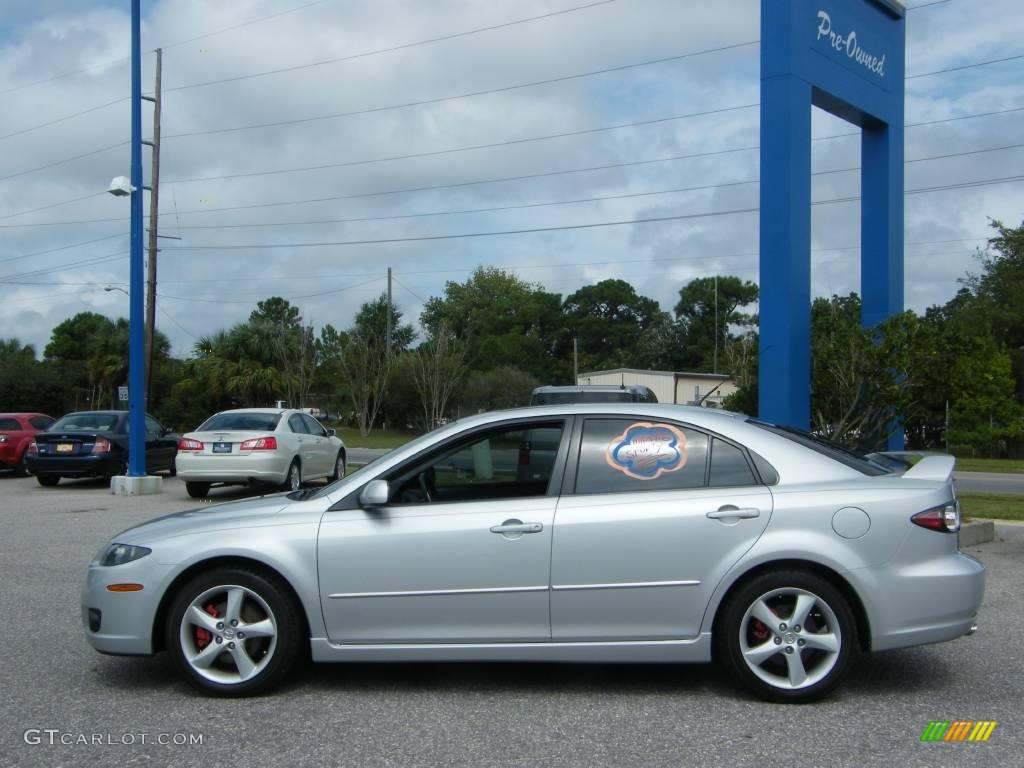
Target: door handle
517, 526
729, 511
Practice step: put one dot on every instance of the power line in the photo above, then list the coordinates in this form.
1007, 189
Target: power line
390, 49
965, 66
467, 95
54, 205
65, 160
65, 117
564, 227
90, 261
63, 247
105, 64
200, 300
452, 150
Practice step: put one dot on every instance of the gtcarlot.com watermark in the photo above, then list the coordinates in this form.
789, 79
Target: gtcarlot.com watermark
54, 737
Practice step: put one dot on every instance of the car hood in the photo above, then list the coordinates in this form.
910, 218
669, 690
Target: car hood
232, 514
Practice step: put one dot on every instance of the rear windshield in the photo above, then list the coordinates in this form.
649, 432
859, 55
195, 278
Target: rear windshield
834, 451
241, 422
85, 422
560, 398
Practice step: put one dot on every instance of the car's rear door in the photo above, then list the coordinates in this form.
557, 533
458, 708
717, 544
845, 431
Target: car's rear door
461, 553
647, 527
320, 449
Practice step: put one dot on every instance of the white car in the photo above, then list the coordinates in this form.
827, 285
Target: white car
259, 445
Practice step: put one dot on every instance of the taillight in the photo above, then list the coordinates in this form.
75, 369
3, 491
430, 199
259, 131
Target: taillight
188, 444
945, 519
102, 445
259, 444
33, 447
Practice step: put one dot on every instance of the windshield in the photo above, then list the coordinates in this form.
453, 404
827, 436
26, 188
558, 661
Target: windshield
560, 398
853, 459
85, 422
241, 422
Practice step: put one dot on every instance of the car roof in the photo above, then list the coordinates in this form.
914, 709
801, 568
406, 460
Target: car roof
104, 413
256, 410
589, 388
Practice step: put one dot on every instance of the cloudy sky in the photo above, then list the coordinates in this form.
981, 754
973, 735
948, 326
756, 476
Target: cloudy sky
251, 114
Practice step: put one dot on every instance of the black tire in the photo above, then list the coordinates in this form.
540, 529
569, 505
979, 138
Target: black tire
197, 490
48, 480
339, 468
293, 483
172, 469
20, 469
273, 658
829, 616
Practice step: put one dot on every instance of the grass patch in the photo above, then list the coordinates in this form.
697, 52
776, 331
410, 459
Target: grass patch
391, 438
1011, 466
996, 506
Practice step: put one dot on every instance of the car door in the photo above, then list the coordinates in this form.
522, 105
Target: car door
657, 513
320, 446
158, 453
303, 444
460, 554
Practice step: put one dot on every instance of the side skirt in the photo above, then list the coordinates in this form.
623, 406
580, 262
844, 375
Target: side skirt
697, 650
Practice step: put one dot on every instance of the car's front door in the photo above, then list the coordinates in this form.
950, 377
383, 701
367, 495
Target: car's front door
460, 554
659, 513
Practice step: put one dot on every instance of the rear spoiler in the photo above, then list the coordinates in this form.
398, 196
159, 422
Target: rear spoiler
930, 466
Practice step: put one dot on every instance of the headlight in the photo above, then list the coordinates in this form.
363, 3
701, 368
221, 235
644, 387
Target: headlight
119, 554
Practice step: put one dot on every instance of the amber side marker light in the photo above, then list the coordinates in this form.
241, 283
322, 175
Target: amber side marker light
124, 587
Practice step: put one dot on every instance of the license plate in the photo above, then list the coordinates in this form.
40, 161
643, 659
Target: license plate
222, 447
65, 447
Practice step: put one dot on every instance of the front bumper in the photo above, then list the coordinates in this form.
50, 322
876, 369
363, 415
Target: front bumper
100, 465
266, 467
125, 619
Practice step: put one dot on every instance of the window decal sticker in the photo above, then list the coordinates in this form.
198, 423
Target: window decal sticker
646, 451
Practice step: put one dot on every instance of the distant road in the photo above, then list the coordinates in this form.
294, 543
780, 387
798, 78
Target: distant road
364, 455
989, 482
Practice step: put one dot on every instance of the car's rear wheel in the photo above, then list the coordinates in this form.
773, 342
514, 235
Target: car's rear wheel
197, 490
234, 632
787, 636
293, 480
339, 468
48, 480
172, 469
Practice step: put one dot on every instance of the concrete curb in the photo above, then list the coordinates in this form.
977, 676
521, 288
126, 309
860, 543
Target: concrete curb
977, 532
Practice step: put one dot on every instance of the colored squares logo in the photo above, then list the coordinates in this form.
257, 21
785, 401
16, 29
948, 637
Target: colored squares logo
959, 730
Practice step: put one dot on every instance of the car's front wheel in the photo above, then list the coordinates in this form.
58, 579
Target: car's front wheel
48, 480
234, 632
339, 468
787, 636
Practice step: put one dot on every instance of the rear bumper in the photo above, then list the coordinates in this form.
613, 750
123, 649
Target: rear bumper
100, 465
920, 603
232, 468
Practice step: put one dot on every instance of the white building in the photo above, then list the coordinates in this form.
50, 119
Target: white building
669, 386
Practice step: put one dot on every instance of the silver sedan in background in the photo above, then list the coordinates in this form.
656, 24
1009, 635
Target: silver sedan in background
259, 445
625, 532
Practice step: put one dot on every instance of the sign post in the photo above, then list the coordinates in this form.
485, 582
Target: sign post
846, 57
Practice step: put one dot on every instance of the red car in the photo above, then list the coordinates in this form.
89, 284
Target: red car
16, 433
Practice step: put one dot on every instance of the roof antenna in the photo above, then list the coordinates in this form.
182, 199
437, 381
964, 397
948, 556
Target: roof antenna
622, 381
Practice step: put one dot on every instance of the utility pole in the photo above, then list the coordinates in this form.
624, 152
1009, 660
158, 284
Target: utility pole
716, 323
388, 316
154, 207
575, 362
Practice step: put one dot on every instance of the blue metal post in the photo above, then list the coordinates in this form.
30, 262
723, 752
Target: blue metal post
785, 247
136, 337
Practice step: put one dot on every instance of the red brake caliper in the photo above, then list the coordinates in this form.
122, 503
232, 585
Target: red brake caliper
760, 632
203, 636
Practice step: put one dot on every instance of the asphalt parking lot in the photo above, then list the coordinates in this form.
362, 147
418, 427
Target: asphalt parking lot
463, 715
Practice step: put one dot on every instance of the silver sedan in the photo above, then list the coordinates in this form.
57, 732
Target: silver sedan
590, 533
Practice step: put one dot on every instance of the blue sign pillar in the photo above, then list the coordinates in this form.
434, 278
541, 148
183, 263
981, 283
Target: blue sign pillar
136, 339
846, 57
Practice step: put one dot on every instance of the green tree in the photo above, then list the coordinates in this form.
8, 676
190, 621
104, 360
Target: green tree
371, 321
701, 301
502, 320
609, 320
504, 387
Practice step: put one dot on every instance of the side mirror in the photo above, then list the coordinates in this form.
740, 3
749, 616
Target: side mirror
332, 432
375, 494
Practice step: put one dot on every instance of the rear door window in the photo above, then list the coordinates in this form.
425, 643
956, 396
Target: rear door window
297, 424
729, 467
626, 455
10, 425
